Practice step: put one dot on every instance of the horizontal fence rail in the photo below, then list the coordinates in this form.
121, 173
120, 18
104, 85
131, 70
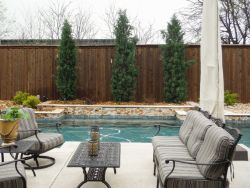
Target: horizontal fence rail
33, 69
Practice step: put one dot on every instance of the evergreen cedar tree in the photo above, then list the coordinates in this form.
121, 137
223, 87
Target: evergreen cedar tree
124, 71
66, 71
173, 56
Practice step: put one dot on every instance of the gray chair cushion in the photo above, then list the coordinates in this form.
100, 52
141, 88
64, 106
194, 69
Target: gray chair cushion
49, 141
200, 126
215, 148
187, 126
178, 153
9, 178
185, 176
167, 141
28, 123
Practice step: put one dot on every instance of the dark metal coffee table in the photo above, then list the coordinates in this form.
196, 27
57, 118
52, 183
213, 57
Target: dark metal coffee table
108, 157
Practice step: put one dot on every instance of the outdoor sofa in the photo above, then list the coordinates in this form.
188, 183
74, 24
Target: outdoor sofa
199, 157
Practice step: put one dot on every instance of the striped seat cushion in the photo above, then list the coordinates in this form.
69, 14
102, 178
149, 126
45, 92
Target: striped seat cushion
187, 126
166, 141
215, 148
184, 176
49, 141
200, 127
9, 178
28, 123
181, 153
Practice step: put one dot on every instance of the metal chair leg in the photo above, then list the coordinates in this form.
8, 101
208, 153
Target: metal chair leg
37, 163
157, 183
154, 169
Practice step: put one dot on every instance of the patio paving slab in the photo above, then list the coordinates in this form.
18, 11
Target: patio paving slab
136, 170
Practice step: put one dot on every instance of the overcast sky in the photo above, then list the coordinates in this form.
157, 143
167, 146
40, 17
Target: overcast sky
156, 12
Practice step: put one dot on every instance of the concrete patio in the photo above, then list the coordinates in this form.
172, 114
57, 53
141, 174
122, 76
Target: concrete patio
136, 170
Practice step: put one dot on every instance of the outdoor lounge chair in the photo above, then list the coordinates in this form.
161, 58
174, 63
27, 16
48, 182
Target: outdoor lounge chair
12, 174
43, 142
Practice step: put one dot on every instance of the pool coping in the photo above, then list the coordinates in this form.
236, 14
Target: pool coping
79, 118
103, 117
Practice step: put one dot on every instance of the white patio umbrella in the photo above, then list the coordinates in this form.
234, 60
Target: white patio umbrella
212, 82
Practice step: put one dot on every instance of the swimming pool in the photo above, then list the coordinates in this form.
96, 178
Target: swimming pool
126, 130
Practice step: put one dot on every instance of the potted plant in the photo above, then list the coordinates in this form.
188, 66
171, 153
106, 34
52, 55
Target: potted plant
9, 124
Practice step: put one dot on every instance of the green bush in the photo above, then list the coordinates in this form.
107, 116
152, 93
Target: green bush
31, 102
175, 64
124, 70
20, 97
230, 98
66, 65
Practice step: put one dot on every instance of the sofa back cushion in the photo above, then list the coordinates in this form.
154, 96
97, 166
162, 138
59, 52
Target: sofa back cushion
187, 126
197, 135
26, 124
215, 148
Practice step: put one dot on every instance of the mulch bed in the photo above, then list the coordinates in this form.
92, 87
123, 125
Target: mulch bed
112, 103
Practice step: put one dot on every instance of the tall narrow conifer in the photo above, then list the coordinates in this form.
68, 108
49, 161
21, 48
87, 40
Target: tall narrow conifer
124, 71
173, 55
66, 71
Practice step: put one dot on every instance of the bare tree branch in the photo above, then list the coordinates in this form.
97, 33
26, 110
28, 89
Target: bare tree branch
5, 23
145, 34
83, 26
110, 17
234, 17
54, 16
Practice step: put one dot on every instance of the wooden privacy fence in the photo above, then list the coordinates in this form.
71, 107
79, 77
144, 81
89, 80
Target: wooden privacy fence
33, 69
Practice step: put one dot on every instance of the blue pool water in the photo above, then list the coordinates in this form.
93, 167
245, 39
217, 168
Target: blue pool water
123, 131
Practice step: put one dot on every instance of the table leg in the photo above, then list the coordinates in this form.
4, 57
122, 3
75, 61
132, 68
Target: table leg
2, 157
78, 186
85, 177
103, 178
114, 170
106, 183
94, 174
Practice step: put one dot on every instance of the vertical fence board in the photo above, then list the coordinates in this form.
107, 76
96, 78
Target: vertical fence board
33, 69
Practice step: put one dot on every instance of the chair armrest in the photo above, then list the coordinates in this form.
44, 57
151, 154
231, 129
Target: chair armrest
194, 163
57, 126
158, 126
8, 146
29, 130
158, 130
191, 163
36, 131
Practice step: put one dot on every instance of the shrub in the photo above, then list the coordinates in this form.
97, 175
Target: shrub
31, 102
20, 97
230, 98
175, 65
124, 71
66, 71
